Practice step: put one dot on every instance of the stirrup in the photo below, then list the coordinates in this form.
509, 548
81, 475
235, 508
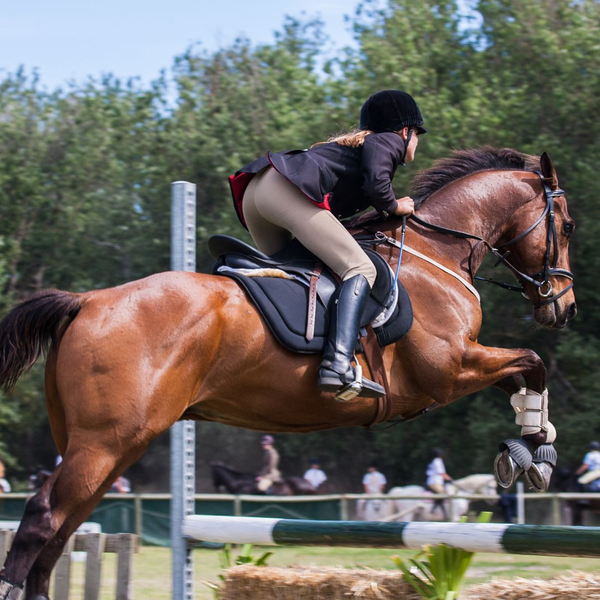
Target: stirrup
359, 387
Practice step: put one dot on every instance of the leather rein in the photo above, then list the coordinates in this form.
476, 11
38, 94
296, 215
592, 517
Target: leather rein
541, 279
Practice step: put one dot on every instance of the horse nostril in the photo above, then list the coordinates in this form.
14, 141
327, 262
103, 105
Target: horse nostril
572, 311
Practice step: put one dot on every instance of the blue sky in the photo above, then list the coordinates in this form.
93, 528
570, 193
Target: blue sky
73, 39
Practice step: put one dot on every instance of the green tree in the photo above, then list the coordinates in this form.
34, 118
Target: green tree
85, 174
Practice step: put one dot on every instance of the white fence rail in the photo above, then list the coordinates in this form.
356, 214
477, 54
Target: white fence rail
345, 501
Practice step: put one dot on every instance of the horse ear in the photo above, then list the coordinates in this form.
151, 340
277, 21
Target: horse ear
548, 170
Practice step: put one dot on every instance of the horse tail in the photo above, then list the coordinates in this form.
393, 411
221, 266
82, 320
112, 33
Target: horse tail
27, 330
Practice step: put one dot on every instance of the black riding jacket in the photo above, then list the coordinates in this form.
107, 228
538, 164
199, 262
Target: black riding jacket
338, 178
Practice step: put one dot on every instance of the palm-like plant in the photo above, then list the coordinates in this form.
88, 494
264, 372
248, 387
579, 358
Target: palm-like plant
438, 572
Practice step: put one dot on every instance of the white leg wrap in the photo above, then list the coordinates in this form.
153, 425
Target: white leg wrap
532, 413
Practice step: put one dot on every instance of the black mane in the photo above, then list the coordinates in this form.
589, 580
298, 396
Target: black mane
466, 162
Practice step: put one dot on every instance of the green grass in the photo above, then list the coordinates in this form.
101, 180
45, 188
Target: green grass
152, 567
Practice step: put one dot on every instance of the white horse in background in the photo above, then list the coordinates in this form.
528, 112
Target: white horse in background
397, 509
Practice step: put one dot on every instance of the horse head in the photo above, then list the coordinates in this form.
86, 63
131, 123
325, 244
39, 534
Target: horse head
508, 203
537, 242
217, 472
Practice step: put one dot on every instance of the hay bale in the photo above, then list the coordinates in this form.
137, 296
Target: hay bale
247, 582
574, 585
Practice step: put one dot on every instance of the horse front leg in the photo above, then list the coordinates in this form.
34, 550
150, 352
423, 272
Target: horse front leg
522, 374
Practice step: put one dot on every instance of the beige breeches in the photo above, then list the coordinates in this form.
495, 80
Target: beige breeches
276, 211
264, 483
437, 488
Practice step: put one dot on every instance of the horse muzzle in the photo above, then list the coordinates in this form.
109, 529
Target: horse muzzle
555, 315
555, 309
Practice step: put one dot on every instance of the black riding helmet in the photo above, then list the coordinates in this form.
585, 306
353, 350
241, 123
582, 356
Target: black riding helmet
391, 110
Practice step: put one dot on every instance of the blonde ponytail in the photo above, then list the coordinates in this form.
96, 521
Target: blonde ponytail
353, 139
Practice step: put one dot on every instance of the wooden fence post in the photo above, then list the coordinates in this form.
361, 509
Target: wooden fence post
126, 547
95, 543
62, 571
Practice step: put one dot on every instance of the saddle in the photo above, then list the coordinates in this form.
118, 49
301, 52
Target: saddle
280, 288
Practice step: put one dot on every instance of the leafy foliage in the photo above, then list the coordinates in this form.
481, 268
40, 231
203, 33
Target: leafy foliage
85, 174
226, 561
438, 572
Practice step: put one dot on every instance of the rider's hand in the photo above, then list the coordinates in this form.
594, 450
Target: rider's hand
406, 206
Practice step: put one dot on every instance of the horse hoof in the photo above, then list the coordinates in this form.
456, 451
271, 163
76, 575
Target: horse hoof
10, 591
514, 458
538, 476
546, 454
544, 461
506, 470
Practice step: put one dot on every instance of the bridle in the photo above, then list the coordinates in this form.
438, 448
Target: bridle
541, 279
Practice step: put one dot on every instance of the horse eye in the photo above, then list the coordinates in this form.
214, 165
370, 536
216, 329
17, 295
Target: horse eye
568, 228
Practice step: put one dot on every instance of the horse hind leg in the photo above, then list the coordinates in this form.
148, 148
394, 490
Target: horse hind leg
32, 536
38, 579
50, 518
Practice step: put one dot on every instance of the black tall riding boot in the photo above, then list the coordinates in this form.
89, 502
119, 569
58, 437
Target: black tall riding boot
336, 373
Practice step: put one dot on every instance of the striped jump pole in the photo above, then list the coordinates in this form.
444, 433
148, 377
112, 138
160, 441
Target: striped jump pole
473, 537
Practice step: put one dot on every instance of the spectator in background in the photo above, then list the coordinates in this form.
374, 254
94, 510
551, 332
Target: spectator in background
315, 475
122, 485
4, 485
508, 504
437, 478
436, 473
374, 482
589, 470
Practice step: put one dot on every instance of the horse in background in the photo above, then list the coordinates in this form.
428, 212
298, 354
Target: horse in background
408, 510
236, 482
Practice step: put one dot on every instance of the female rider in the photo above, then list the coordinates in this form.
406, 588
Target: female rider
303, 193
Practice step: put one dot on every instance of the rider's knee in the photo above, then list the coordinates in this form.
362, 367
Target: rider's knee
365, 268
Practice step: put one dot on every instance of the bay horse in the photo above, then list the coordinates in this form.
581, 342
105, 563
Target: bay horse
236, 482
125, 363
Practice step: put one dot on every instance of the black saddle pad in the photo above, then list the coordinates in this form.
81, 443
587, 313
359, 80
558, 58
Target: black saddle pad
283, 302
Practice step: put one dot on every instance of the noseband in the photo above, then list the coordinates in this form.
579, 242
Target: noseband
541, 279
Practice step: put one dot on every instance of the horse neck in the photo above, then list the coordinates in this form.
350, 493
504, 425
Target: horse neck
220, 476
483, 204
